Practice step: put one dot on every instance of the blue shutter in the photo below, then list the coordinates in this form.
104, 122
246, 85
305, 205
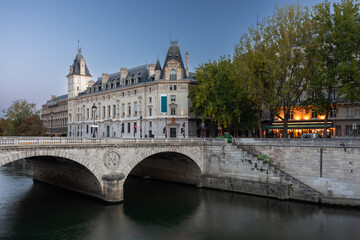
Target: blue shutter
163, 104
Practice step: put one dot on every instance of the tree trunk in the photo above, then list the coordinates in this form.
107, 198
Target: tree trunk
260, 126
286, 119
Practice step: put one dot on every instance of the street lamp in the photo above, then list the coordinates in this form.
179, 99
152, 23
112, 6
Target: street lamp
93, 108
51, 116
141, 126
166, 127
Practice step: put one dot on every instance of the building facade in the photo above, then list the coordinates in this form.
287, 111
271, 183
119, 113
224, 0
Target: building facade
145, 101
343, 120
56, 124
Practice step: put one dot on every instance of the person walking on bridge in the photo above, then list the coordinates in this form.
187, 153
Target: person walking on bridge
259, 156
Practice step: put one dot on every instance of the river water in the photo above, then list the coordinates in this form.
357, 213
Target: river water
159, 210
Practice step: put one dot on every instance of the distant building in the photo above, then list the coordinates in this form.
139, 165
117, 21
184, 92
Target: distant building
59, 106
144, 101
341, 121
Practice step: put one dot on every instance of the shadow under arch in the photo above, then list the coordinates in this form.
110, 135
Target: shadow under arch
65, 173
170, 167
144, 199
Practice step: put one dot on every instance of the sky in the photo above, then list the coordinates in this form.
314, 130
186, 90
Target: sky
39, 39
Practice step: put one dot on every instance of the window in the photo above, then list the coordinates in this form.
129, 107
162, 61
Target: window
109, 111
135, 127
87, 128
135, 92
87, 113
150, 99
150, 124
173, 75
173, 111
333, 113
173, 98
135, 107
150, 89
291, 114
171, 87
122, 127
150, 112
123, 94
349, 112
128, 93
104, 111
333, 95
114, 110
129, 128
123, 109
175, 87
129, 108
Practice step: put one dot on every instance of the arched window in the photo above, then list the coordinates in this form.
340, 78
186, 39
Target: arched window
173, 75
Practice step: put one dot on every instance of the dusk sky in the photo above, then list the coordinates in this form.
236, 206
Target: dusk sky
39, 39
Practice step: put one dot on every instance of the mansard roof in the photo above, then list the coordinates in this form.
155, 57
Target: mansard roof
54, 101
174, 53
141, 73
76, 64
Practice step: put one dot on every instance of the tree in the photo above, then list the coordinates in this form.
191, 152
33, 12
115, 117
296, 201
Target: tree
286, 35
271, 61
251, 70
215, 94
32, 126
16, 114
3, 123
334, 56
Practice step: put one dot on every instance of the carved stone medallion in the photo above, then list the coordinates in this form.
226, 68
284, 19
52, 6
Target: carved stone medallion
112, 160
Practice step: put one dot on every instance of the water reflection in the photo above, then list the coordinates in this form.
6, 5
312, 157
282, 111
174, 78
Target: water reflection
158, 210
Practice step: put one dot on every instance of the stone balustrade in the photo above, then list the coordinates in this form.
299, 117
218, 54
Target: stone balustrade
18, 141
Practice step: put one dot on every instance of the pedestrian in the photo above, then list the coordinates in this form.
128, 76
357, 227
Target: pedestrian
267, 159
259, 156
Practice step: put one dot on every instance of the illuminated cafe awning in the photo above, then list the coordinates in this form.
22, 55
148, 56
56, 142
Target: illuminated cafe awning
300, 125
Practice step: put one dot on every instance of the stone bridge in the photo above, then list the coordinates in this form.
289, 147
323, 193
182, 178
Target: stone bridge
302, 169
99, 167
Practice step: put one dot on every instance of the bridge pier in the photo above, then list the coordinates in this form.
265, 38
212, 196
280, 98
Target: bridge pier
113, 187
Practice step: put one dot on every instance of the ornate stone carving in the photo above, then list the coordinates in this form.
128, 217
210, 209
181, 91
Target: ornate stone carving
112, 159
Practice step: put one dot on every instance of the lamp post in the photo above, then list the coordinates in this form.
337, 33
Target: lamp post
93, 108
51, 116
166, 127
141, 126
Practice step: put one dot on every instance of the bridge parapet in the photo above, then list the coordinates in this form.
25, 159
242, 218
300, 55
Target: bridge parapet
19, 141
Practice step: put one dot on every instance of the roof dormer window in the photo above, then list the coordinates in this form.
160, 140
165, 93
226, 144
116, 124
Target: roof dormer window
173, 74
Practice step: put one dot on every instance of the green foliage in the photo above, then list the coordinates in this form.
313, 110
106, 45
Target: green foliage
216, 94
32, 126
334, 55
17, 114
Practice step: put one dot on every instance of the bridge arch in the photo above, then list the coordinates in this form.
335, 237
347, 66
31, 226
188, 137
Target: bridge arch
61, 168
171, 166
194, 155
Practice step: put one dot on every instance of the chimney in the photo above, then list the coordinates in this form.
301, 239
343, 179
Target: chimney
104, 78
53, 97
90, 83
123, 73
151, 68
187, 64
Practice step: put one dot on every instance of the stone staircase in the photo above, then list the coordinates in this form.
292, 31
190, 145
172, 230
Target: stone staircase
297, 189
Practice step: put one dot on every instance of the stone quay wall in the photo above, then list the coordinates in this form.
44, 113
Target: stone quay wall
330, 166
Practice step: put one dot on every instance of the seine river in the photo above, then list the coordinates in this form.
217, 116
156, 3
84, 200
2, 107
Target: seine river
158, 210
